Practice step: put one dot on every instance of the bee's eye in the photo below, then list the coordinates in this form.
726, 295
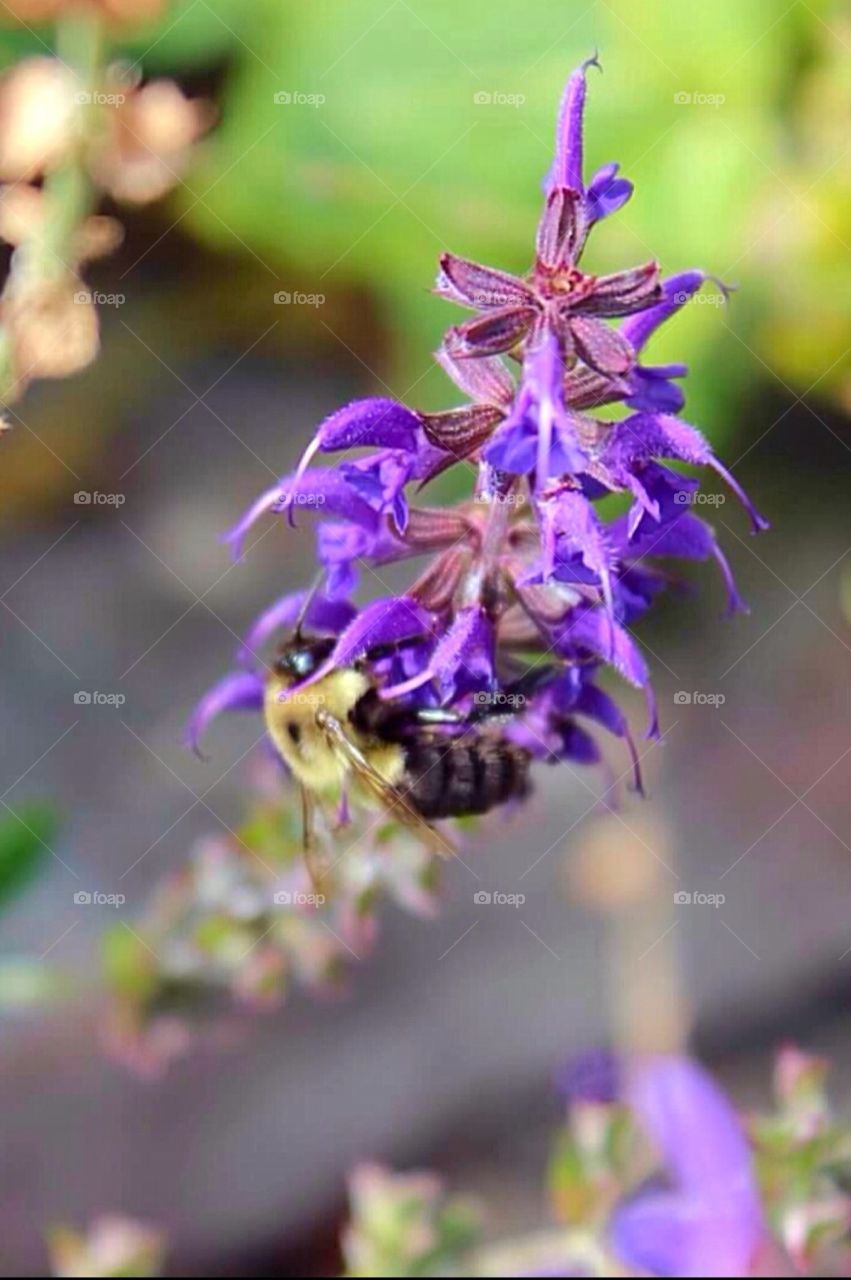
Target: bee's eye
294, 730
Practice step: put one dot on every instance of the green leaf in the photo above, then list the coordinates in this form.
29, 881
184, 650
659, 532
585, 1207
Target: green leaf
24, 844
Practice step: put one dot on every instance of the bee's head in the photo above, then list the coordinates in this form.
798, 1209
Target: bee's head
301, 658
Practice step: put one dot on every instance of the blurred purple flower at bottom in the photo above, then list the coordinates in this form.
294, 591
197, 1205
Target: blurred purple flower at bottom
710, 1222
594, 1076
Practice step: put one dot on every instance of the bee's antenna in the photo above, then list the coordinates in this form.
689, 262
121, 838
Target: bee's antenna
307, 602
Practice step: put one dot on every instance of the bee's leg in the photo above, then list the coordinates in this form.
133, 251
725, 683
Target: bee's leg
344, 816
389, 797
308, 825
309, 842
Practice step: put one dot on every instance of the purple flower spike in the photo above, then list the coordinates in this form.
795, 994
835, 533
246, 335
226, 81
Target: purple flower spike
240, 691
529, 567
711, 1222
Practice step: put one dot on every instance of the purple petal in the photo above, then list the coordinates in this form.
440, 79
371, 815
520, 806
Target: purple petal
570, 529
384, 622
646, 435
514, 447
567, 168
325, 490
376, 422
380, 480
676, 291
688, 537
593, 1076
599, 706
606, 193
592, 629
239, 691
712, 1223
235, 537
462, 658
325, 615
653, 391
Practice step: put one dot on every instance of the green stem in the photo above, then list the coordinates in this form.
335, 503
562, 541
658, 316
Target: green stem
69, 194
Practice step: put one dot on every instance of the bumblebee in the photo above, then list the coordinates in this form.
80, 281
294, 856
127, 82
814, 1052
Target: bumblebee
417, 764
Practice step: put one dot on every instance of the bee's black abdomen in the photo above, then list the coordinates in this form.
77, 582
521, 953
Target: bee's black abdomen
450, 778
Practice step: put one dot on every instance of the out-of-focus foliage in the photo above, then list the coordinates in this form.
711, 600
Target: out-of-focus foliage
407, 1225
357, 140
242, 923
24, 841
112, 1246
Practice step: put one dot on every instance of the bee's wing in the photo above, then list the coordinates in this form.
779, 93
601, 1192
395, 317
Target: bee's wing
388, 796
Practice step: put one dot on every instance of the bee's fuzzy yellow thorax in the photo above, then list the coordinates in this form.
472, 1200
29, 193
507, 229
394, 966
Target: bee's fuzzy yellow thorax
293, 727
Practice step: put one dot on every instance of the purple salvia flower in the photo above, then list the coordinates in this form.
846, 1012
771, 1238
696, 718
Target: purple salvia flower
710, 1222
527, 567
